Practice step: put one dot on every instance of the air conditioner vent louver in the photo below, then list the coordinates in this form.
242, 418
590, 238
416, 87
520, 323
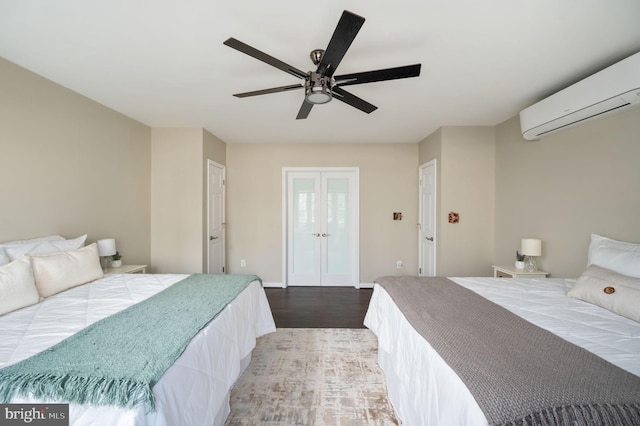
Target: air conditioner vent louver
581, 120
611, 90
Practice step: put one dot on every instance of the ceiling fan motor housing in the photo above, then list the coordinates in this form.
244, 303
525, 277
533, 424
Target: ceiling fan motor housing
318, 87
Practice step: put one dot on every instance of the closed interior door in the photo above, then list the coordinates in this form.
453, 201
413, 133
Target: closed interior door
322, 228
427, 225
216, 235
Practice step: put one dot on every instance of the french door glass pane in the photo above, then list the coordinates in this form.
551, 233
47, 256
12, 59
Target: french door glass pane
304, 256
338, 258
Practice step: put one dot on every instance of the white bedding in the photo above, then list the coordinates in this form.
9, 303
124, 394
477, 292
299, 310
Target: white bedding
193, 391
424, 390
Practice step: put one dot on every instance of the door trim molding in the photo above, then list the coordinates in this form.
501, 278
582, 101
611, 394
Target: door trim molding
356, 248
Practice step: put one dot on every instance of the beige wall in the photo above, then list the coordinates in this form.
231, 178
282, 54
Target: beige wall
71, 166
178, 200
431, 148
564, 187
465, 185
388, 183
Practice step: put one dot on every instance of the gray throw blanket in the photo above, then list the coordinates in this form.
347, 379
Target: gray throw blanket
519, 373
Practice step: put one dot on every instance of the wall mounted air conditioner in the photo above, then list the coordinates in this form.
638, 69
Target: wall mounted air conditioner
611, 90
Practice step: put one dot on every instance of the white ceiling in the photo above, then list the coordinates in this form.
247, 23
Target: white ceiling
162, 62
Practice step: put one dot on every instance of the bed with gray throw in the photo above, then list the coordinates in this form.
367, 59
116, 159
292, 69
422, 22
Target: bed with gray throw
503, 351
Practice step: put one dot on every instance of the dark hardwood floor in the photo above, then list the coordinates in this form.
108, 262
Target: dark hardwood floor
319, 307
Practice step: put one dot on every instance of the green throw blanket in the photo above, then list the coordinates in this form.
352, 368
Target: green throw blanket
118, 360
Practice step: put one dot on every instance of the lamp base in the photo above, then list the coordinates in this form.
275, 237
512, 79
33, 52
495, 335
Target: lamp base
104, 262
530, 264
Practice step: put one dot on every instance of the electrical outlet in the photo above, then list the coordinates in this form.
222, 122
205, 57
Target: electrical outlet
243, 263
399, 264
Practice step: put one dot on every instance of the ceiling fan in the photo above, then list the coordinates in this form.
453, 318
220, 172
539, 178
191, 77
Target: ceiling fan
320, 86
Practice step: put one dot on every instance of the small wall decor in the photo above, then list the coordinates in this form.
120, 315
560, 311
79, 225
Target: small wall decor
397, 216
454, 217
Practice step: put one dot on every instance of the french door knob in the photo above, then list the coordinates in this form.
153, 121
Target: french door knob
429, 238
325, 235
316, 234
211, 238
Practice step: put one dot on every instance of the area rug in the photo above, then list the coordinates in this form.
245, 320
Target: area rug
313, 376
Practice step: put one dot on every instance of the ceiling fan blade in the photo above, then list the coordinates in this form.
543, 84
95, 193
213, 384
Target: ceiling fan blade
346, 97
261, 56
305, 109
267, 91
343, 36
378, 75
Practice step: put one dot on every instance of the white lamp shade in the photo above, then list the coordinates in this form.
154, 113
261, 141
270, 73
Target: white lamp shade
531, 247
107, 247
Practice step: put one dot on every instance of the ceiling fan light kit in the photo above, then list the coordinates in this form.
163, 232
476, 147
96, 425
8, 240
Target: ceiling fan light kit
320, 86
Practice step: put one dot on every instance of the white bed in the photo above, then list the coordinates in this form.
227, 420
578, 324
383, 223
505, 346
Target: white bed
424, 390
193, 391
598, 312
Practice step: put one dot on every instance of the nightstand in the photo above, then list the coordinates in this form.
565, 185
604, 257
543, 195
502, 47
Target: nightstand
127, 269
502, 271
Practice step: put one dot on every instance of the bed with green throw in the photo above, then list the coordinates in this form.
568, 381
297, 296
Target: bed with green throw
133, 349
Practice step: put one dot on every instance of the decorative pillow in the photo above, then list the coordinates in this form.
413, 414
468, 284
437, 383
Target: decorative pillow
619, 256
17, 287
57, 272
610, 290
35, 248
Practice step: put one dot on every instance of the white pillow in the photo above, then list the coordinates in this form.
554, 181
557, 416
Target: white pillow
31, 240
57, 272
4, 257
35, 248
615, 292
619, 256
17, 287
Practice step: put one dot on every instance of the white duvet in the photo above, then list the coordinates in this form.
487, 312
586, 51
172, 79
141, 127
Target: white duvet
424, 390
193, 391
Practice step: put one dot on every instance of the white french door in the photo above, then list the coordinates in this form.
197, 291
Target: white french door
321, 227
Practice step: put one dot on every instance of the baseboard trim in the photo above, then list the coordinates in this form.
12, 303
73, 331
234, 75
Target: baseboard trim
365, 285
281, 285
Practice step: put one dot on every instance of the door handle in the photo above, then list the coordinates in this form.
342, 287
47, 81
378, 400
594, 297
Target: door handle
211, 238
316, 234
325, 235
429, 238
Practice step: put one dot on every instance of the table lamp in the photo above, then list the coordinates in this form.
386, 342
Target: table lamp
106, 248
531, 247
